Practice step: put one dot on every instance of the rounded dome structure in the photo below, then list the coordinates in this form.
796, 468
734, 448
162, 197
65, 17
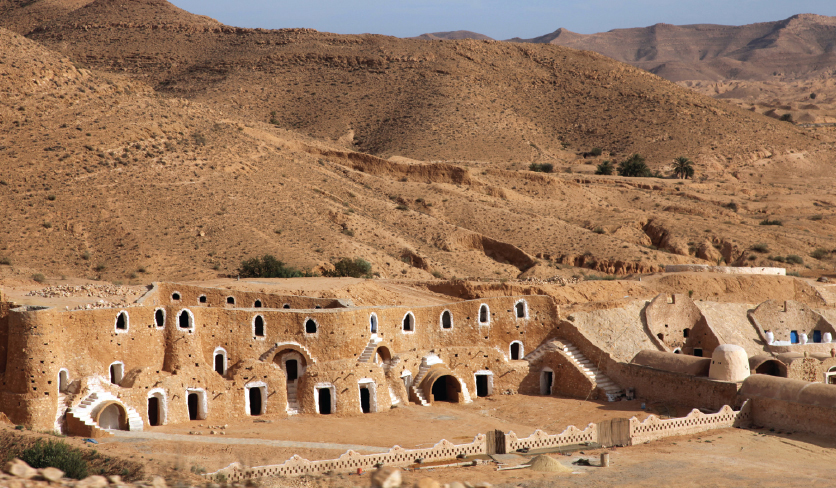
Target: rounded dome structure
729, 363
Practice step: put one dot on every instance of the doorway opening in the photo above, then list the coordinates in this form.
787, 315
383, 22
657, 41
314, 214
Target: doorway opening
446, 389
546, 381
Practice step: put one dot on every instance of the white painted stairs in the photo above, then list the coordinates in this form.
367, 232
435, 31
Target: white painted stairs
599, 379
366, 356
84, 410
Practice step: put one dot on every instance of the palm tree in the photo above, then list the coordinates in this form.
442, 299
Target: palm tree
683, 168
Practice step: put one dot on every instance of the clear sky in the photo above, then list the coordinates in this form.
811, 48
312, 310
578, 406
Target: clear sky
500, 19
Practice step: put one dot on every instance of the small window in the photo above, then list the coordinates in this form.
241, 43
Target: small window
122, 321
159, 318
117, 370
175, 296
257, 304
184, 320
685, 333
258, 326
660, 336
220, 361
310, 326
408, 322
373, 323
202, 299
230, 300
318, 307
484, 314
286, 305
446, 320
698, 352
519, 308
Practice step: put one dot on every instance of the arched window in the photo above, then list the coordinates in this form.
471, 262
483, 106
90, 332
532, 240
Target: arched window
286, 305
373, 323
185, 319
521, 309
175, 295
220, 360
258, 326
446, 320
257, 304
310, 326
159, 318
201, 299
230, 300
516, 350
409, 322
484, 314
122, 322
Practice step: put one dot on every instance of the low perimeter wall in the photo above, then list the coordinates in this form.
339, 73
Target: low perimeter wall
682, 268
652, 428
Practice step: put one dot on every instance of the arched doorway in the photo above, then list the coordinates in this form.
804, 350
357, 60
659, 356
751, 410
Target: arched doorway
113, 417
771, 368
382, 355
156, 408
63, 381
220, 361
546, 381
519, 308
256, 398
516, 350
196, 402
293, 363
325, 399
446, 389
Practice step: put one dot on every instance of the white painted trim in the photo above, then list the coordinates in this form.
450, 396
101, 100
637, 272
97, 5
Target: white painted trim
414, 324
161, 396
165, 316
64, 370
372, 387
223, 352
127, 322
261, 386
120, 370
300, 360
226, 300
374, 327
525, 309
264, 326
178, 294
407, 374
333, 389
441, 319
191, 320
489, 374
305, 326
522, 350
479, 314
202, 405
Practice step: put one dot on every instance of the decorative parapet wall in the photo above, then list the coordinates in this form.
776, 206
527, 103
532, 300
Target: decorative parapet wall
351, 460
541, 440
654, 428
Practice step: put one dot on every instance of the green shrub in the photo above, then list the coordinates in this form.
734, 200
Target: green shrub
51, 198
353, 268
794, 273
786, 118
794, 259
348, 232
85, 255
541, 168
600, 277
761, 248
268, 266
634, 167
5, 260
437, 274
38, 278
47, 225
732, 206
817, 217
770, 222
596, 151
605, 168
819, 253
599, 230
402, 207
99, 268
56, 454
779, 259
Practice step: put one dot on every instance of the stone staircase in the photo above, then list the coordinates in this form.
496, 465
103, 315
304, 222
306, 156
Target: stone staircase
598, 378
368, 352
292, 400
426, 363
83, 411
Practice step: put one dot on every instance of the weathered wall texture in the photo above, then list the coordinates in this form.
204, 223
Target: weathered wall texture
674, 388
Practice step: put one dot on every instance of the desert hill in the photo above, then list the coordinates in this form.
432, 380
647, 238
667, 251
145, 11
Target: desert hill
101, 174
799, 46
453, 35
453, 100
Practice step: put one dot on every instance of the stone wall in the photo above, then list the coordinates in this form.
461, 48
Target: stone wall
682, 268
674, 388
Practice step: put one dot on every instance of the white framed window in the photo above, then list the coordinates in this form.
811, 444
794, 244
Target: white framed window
311, 326
219, 360
159, 317
373, 324
117, 372
325, 398
484, 317
515, 350
521, 309
63, 380
445, 320
408, 323
185, 320
259, 328
122, 323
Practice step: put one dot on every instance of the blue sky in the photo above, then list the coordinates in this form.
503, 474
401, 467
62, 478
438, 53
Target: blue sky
500, 19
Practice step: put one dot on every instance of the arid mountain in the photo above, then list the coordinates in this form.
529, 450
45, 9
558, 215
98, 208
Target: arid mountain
452, 100
453, 36
148, 153
798, 47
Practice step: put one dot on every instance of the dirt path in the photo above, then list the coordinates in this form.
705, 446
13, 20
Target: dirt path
158, 436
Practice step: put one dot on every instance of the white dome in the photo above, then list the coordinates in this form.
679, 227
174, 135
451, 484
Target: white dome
729, 363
